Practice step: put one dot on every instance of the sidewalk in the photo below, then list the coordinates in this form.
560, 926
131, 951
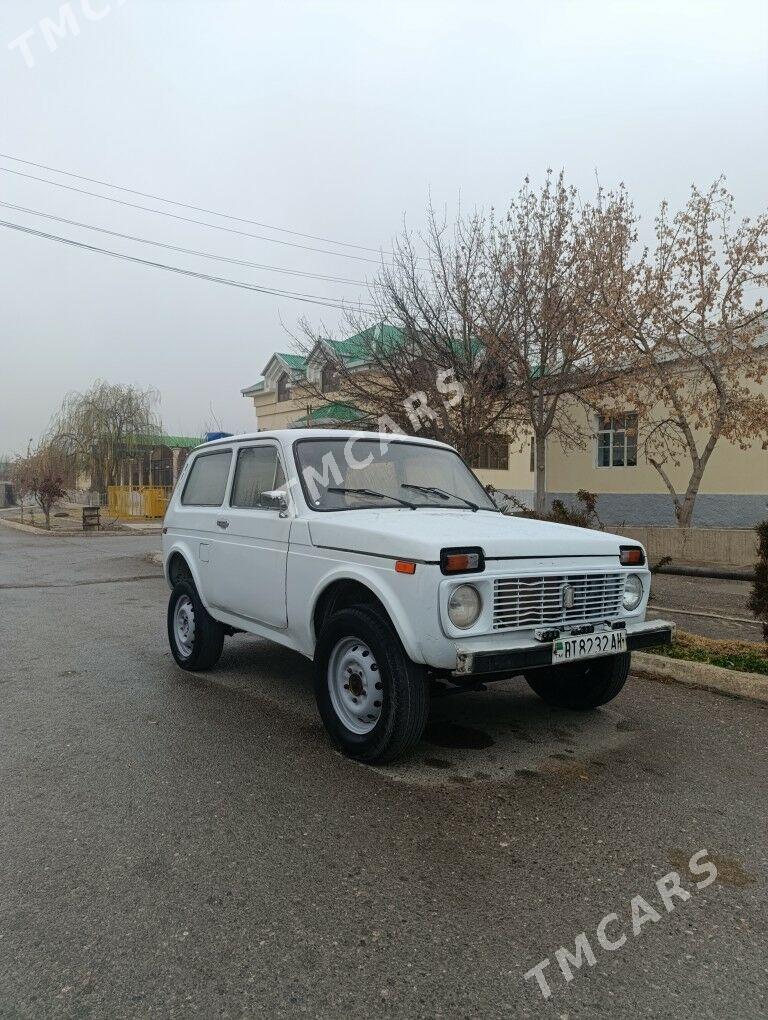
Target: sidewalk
66, 521
724, 571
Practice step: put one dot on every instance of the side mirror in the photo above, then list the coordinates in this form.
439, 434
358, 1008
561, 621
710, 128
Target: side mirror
274, 500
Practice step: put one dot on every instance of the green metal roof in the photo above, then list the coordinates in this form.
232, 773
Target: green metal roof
335, 411
294, 361
358, 347
385, 338
180, 442
177, 442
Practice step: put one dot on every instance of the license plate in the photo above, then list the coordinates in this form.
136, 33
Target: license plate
589, 646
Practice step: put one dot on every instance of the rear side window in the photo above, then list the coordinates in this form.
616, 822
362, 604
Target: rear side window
207, 480
258, 470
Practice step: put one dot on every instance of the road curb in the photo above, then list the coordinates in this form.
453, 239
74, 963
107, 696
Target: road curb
701, 675
28, 529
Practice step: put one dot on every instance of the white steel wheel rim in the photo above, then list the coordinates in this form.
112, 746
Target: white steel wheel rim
184, 626
355, 686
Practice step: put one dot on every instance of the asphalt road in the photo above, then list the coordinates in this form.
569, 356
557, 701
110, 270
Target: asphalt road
177, 846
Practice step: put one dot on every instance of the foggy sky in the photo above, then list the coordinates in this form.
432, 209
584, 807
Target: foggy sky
330, 118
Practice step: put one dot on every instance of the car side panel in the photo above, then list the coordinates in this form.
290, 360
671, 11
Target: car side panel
409, 599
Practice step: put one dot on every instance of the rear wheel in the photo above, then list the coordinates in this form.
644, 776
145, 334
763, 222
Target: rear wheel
372, 699
196, 639
583, 685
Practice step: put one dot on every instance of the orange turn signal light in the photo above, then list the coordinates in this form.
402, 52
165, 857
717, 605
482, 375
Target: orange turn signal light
462, 561
405, 566
631, 556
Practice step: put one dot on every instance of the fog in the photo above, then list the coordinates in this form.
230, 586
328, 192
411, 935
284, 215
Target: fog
333, 119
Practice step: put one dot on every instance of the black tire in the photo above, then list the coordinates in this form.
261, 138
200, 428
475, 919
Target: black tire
208, 634
582, 686
403, 687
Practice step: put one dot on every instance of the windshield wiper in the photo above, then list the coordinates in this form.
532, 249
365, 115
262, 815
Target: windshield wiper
375, 495
440, 492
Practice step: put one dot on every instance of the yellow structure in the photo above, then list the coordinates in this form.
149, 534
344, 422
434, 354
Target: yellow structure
146, 501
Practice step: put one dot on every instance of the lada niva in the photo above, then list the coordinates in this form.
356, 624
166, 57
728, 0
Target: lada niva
383, 559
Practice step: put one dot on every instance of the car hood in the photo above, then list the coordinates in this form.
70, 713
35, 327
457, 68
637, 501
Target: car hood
421, 534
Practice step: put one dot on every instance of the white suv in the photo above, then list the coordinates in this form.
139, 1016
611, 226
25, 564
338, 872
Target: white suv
382, 558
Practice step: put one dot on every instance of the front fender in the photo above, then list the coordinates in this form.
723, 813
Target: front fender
398, 593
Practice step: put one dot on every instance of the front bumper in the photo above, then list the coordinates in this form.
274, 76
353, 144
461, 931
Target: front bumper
478, 660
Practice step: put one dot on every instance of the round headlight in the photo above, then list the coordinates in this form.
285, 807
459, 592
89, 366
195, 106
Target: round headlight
464, 605
633, 592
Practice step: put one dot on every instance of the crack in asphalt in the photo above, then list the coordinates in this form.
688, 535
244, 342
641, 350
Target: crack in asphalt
77, 584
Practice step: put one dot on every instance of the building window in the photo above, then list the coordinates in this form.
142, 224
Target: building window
532, 465
492, 454
283, 388
329, 379
617, 440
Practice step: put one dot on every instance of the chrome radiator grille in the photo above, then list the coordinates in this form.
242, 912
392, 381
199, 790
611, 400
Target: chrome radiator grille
535, 601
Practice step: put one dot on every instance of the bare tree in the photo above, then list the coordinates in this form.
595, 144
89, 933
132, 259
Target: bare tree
40, 475
695, 332
103, 425
423, 367
556, 346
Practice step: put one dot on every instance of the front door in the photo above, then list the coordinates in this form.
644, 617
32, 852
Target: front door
251, 541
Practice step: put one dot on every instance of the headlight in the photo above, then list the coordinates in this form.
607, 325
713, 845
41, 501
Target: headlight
633, 592
464, 605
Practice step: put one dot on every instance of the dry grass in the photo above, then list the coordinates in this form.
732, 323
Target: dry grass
747, 656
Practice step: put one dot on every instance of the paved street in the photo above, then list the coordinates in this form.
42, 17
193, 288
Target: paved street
175, 845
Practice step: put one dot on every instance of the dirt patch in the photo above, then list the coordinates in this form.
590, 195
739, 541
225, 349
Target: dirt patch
568, 768
454, 735
730, 870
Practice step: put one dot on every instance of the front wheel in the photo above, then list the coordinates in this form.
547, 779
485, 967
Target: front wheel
583, 685
372, 699
196, 639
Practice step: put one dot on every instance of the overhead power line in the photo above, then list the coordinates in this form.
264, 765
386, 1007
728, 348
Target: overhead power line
187, 251
188, 219
314, 299
195, 208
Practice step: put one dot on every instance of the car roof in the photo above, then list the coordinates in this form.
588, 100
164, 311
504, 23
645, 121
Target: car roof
289, 436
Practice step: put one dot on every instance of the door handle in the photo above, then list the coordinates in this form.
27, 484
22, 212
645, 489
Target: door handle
223, 524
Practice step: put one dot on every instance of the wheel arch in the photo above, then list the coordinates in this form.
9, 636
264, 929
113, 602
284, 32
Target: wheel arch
341, 592
180, 565
178, 569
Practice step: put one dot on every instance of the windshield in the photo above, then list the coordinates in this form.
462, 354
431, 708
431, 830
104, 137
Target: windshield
334, 473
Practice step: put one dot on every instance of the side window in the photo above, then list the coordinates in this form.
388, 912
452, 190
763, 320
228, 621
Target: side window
258, 470
207, 479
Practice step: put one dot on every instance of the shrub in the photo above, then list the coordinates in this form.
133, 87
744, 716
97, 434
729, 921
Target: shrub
582, 516
758, 599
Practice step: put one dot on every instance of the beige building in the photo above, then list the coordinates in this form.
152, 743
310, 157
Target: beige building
733, 493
